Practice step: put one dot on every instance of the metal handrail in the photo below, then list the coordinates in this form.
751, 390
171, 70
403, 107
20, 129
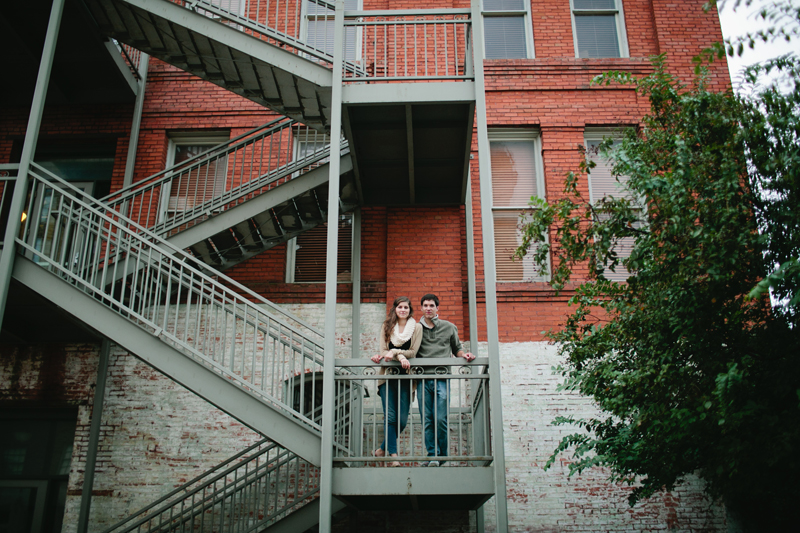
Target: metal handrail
224, 176
410, 45
71, 235
211, 496
361, 423
279, 21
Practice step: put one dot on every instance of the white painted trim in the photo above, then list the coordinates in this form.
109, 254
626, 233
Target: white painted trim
530, 48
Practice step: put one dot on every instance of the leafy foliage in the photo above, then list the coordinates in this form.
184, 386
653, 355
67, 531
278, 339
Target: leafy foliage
690, 374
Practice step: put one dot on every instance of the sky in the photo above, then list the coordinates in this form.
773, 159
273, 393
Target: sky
740, 21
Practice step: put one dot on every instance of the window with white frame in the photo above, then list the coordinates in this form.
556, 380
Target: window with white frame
319, 27
507, 29
306, 254
195, 186
516, 177
603, 184
598, 28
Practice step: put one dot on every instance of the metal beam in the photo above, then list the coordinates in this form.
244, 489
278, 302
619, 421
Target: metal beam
328, 407
414, 93
404, 481
356, 270
28, 151
410, 144
472, 293
94, 437
193, 375
489, 274
133, 143
124, 69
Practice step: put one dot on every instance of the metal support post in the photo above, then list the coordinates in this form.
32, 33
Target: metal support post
356, 283
94, 437
28, 151
328, 383
133, 144
471, 289
489, 273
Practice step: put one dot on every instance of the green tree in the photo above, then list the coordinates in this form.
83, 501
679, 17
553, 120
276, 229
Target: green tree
690, 374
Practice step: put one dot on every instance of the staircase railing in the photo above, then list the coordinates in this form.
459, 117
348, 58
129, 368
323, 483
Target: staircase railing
409, 45
218, 323
226, 175
281, 22
249, 491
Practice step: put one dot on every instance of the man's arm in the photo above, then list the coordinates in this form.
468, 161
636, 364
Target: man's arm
456, 347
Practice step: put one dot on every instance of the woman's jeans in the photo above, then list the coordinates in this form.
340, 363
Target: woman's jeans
396, 400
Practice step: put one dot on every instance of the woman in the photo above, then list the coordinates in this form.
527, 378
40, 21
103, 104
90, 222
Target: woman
400, 337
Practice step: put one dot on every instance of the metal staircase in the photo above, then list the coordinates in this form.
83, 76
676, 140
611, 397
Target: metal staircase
227, 344
247, 55
253, 491
241, 197
142, 265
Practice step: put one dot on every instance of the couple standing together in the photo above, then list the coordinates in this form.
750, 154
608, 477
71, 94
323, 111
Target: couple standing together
402, 338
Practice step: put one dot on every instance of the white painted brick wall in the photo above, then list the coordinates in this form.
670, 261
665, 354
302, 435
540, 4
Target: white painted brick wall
545, 501
156, 435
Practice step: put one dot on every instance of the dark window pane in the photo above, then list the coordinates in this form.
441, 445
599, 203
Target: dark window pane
505, 37
597, 35
504, 5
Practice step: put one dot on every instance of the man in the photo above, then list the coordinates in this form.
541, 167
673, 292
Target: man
439, 339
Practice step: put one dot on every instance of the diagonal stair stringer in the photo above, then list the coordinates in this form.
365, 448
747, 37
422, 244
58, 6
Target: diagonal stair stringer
203, 380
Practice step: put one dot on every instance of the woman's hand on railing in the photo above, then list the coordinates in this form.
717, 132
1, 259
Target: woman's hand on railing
404, 362
376, 358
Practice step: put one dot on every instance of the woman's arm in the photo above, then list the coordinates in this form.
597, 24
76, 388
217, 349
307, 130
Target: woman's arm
383, 348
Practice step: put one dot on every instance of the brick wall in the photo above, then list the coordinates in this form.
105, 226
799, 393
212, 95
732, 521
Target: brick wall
550, 501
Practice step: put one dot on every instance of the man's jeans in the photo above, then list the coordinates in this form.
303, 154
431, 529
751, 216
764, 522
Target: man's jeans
433, 410
396, 399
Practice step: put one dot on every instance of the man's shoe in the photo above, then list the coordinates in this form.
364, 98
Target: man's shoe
433, 463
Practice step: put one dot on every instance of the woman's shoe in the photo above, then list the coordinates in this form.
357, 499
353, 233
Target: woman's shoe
394, 463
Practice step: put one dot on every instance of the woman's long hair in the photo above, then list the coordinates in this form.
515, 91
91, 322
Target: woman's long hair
391, 318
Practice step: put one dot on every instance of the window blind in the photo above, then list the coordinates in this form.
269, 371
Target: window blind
513, 173
503, 5
504, 37
311, 251
594, 4
507, 238
597, 35
201, 184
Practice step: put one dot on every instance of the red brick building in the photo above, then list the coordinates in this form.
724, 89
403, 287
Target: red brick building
411, 221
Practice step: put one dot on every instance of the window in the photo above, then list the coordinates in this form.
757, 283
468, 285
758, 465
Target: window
35, 460
306, 253
506, 29
602, 184
516, 177
193, 186
319, 27
598, 27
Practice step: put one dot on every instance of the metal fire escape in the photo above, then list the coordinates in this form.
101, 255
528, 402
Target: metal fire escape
400, 89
